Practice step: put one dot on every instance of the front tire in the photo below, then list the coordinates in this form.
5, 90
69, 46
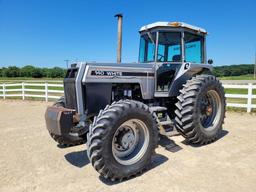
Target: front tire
201, 109
122, 139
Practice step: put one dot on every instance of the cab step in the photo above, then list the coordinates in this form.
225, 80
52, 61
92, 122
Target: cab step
157, 109
166, 126
166, 123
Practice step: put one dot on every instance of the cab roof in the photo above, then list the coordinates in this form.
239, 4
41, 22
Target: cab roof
172, 25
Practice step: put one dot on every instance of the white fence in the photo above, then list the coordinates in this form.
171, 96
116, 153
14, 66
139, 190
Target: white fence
249, 96
33, 90
46, 91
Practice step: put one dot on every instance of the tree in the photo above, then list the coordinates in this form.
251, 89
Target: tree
27, 71
37, 73
12, 71
57, 72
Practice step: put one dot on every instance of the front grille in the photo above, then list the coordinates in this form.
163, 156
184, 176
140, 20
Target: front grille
70, 88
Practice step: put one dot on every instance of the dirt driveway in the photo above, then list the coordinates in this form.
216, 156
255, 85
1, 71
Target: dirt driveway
31, 161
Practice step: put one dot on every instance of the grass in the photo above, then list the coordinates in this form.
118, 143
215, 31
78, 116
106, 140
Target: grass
239, 91
241, 77
20, 79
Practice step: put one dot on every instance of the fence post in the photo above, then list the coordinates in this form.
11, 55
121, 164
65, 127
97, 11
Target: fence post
46, 91
23, 90
4, 90
249, 100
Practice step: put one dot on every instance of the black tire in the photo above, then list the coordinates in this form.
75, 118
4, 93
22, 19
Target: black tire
200, 109
60, 102
69, 140
103, 130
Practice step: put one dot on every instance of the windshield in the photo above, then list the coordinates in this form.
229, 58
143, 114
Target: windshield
147, 48
169, 47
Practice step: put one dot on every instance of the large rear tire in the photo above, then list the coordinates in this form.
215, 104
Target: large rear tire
69, 140
122, 139
201, 109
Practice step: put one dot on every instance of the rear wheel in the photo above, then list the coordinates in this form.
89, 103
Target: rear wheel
201, 109
77, 135
122, 139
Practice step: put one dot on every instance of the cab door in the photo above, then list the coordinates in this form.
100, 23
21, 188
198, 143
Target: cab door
168, 60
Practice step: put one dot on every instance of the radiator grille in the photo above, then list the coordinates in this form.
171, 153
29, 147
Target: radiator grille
70, 88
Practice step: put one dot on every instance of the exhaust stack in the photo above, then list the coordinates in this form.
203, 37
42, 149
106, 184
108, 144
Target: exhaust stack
119, 36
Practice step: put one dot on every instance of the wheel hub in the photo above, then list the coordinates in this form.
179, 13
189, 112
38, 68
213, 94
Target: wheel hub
210, 109
130, 141
124, 138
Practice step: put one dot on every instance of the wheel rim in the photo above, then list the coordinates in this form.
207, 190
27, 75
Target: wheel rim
211, 109
130, 142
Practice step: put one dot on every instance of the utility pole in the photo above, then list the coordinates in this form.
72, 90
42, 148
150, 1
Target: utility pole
67, 61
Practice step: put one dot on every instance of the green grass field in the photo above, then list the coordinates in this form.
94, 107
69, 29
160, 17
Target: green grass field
20, 79
241, 77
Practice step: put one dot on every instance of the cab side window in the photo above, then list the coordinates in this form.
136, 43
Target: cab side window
194, 48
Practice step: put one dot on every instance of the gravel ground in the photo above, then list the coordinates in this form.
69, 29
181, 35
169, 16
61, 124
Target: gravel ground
31, 161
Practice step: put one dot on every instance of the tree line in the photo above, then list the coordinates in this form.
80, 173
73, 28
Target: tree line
57, 72
31, 71
233, 70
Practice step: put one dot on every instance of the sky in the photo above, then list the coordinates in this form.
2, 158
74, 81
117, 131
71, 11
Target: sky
44, 33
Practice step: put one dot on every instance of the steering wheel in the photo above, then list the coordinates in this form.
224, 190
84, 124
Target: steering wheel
161, 57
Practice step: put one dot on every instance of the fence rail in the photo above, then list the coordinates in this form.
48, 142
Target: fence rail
249, 96
32, 90
51, 90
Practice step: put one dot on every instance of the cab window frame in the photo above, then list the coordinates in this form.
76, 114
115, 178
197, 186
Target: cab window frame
182, 31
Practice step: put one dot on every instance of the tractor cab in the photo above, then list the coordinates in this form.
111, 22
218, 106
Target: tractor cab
169, 45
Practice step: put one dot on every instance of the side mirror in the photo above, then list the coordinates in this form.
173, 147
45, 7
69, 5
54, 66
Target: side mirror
210, 61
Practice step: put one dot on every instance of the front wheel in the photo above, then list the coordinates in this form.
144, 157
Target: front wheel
122, 139
201, 109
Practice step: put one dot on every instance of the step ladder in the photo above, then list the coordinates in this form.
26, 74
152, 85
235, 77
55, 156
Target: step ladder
165, 124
